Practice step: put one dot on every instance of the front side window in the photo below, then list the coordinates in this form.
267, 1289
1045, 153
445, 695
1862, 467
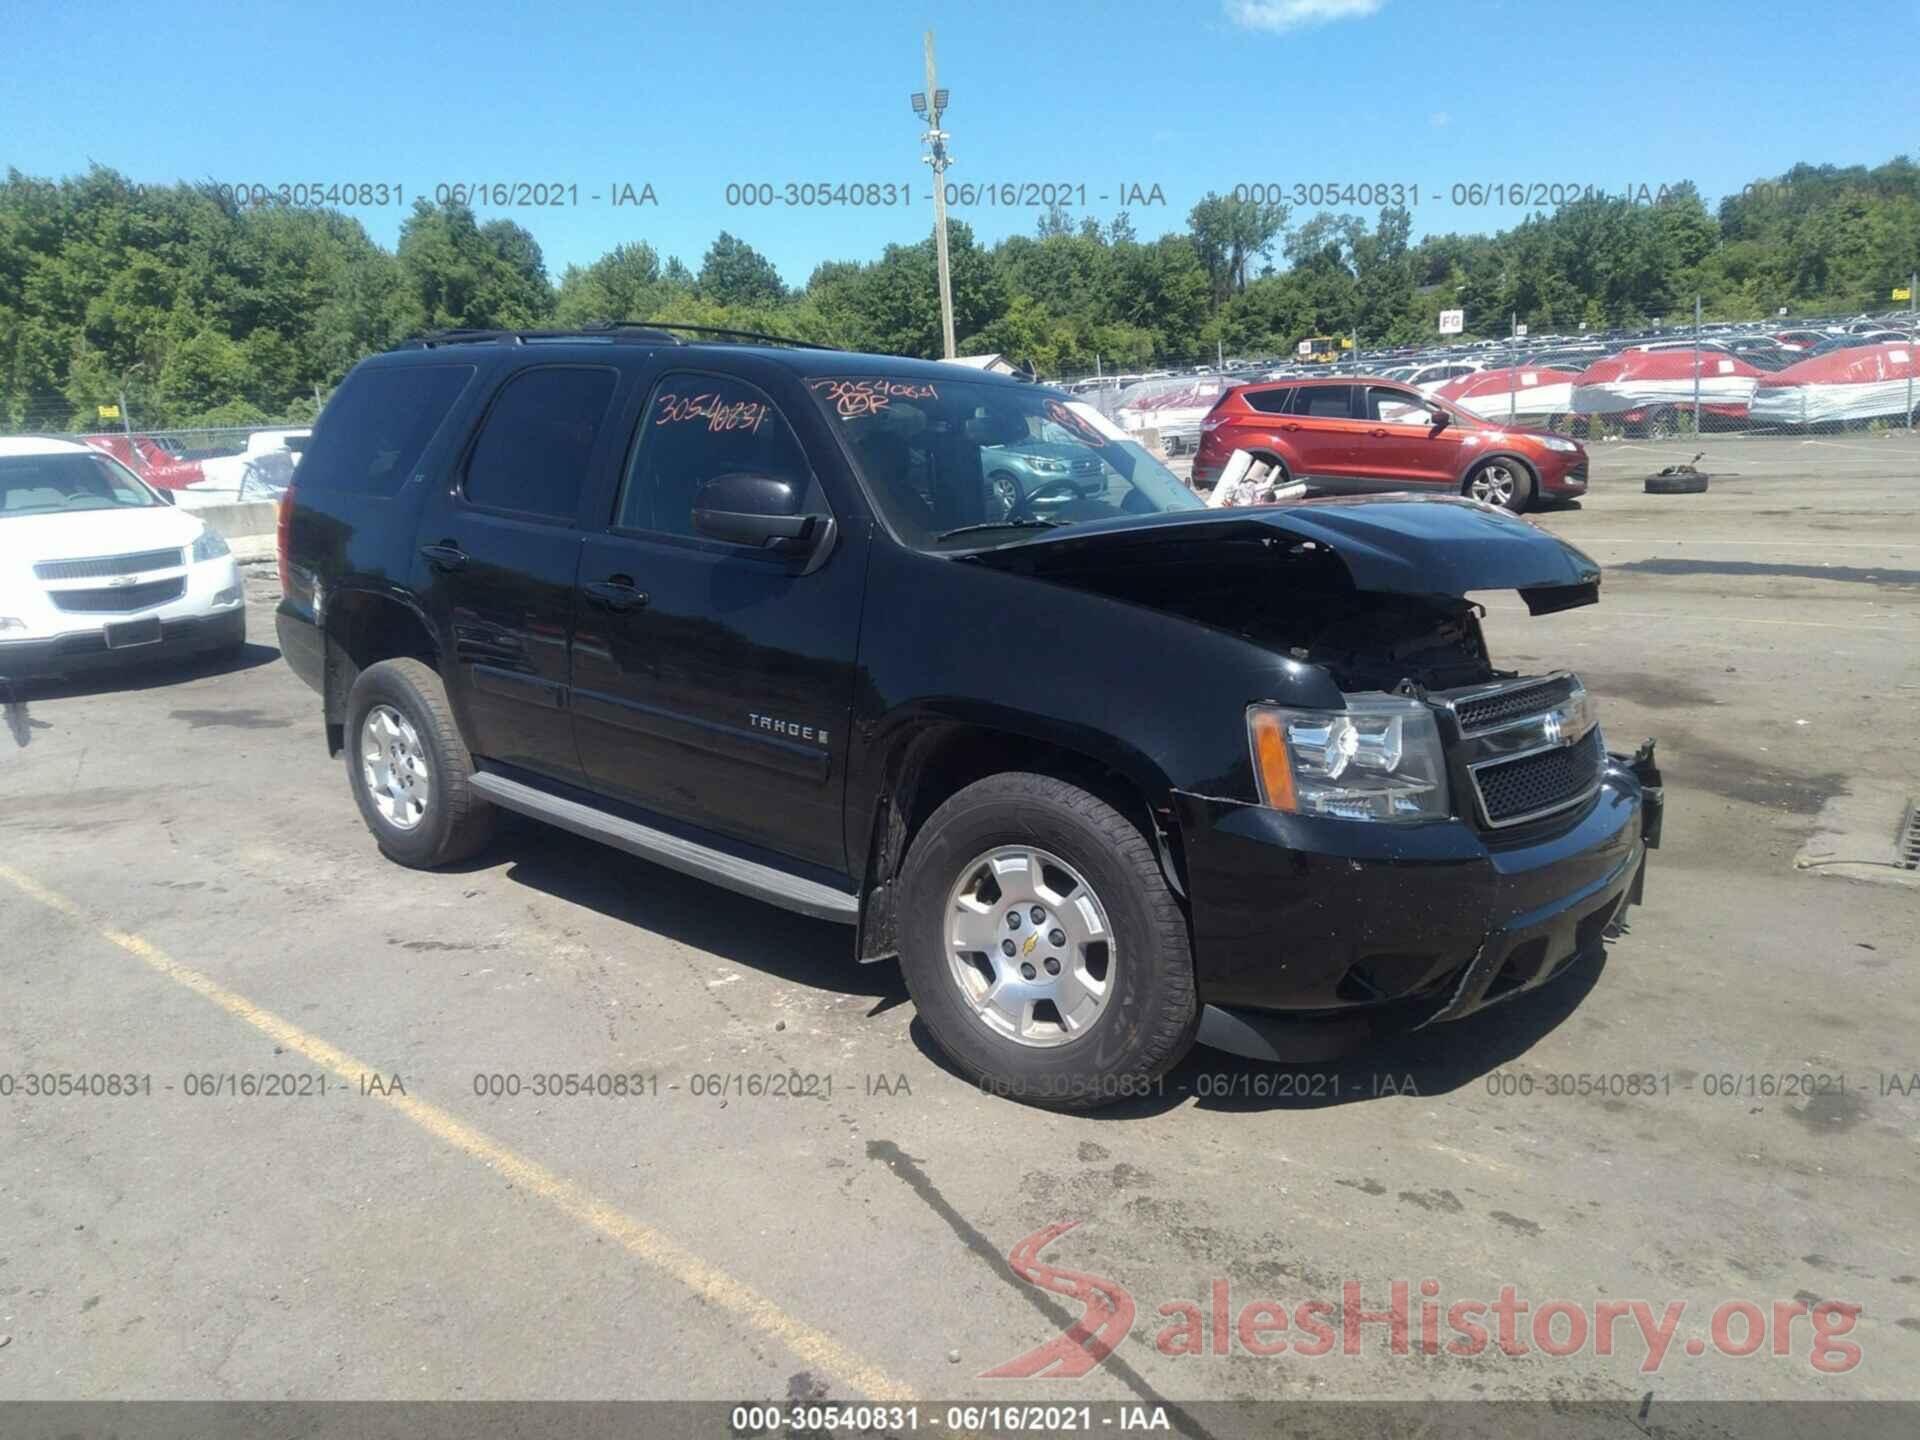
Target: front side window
537, 441
1397, 407
698, 428
42, 484
962, 464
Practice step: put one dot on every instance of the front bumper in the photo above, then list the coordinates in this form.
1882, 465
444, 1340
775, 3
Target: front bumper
210, 613
1312, 936
1570, 480
87, 650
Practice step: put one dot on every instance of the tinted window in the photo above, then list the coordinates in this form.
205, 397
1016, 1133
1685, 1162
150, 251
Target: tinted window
537, 440
1270, 402
377, 425
1331, 401
699, 427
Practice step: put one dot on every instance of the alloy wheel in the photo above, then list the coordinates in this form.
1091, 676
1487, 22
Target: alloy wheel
1029, 945
393, 763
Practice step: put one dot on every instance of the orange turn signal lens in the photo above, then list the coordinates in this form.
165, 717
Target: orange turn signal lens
1270, 761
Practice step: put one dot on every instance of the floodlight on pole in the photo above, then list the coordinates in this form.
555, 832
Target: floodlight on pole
935, 139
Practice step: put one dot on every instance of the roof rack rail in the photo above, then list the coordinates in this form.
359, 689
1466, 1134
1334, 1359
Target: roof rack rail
630, 331
599, 326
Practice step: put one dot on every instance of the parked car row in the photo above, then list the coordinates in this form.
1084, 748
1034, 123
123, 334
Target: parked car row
259, 470
1767, 373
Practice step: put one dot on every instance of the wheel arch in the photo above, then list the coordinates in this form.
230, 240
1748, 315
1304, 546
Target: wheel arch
928, 763
363, 627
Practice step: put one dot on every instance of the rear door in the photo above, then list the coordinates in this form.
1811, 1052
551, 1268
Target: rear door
1322, 432
713, 682
500, 554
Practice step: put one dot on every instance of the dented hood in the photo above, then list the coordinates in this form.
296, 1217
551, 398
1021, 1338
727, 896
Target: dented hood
1390, 544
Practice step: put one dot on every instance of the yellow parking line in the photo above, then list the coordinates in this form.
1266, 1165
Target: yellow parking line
641, 1241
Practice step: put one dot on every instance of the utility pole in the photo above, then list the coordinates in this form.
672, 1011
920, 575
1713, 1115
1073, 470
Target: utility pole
932, 104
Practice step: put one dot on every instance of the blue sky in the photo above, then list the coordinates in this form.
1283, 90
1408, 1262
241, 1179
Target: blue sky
1187, 96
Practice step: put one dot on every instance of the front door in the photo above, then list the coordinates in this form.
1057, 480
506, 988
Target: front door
713, 682
499, 556
1403, 445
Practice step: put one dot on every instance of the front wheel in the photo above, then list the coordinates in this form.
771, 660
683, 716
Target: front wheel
1043, 947
409, 768
1502, 482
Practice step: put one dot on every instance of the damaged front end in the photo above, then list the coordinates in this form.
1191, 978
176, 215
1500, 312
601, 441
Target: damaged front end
1426, 835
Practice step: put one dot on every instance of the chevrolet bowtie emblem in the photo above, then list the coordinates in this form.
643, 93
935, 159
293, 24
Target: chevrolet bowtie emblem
1555, 726
1032, 940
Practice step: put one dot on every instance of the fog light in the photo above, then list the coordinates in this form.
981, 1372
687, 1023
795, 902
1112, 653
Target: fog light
228, 596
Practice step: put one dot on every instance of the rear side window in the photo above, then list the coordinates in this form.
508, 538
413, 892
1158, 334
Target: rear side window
377, 426
535, 445
1270, 402
1333, 402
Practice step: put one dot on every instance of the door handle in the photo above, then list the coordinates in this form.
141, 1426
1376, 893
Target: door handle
1377, 432
616, 593
445, 556
1290, 425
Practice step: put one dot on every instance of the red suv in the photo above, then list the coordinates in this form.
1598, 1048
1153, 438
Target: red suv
1361, 436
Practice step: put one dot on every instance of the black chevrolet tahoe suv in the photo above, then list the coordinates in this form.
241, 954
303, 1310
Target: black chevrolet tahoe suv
1107, 770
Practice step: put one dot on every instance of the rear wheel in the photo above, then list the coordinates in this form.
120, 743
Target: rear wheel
1503, 482
1042, 945
409, 769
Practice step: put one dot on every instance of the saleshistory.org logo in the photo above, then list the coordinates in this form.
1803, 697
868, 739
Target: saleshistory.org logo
1464, 1327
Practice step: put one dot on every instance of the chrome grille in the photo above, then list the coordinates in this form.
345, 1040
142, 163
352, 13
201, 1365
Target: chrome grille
120, 599
1483, 712
102, 566
1541, 782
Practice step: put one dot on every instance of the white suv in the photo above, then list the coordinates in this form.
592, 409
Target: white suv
96, 566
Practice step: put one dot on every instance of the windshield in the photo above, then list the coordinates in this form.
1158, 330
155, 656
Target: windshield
958, 465
42, 484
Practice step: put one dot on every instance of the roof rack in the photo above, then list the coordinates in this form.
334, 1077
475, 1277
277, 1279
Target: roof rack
644, 332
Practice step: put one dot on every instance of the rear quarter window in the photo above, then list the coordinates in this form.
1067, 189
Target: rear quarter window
1269, 402
378, 425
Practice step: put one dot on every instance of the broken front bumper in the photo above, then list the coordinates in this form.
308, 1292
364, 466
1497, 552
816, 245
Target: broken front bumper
1314, 936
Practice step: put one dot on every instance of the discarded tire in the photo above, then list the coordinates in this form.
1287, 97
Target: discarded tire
1686, 482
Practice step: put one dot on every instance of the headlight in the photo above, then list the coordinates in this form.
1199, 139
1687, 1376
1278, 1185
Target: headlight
11, 622
1044, 465
1378, 759
210, 547
1566, 447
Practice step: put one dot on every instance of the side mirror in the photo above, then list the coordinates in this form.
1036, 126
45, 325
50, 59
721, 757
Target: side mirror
757, 510
1441, 419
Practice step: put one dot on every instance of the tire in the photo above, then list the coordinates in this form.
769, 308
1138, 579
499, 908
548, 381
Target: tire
406, 704
1676, 484
1121, 1040
1006, 493
1281, 474
1500, 480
